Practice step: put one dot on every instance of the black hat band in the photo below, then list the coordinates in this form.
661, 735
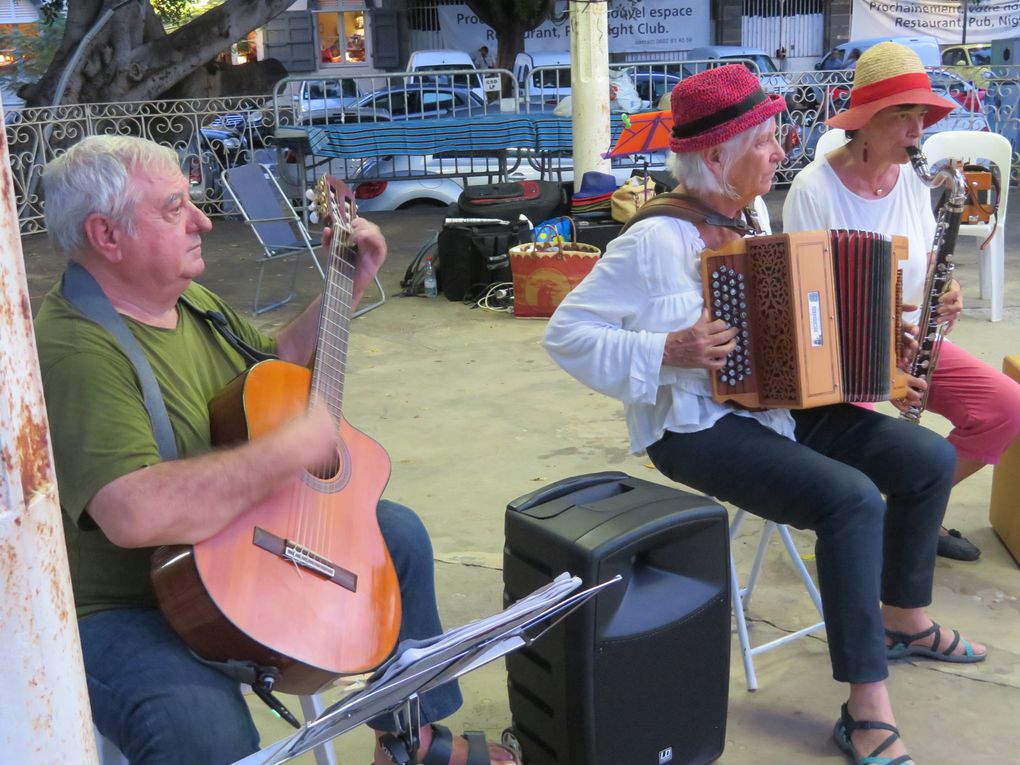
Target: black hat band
724, 115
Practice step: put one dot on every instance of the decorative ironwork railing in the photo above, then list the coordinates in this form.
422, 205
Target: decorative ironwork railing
210, 135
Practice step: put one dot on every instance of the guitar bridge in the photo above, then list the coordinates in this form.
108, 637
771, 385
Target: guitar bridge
302, 556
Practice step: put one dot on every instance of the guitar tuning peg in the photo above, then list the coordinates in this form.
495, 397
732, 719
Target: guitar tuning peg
310, 195
313, 217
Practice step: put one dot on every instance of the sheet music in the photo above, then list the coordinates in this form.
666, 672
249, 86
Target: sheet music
414, 670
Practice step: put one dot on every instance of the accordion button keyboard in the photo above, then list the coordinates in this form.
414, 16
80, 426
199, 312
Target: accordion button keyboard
729, 300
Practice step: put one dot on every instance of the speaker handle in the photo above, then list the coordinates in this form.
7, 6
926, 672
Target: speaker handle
563, 487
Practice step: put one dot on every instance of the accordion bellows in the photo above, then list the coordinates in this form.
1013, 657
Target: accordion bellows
819, 318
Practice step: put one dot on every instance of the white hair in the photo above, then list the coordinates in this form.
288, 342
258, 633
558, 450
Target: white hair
93, 177
690, 170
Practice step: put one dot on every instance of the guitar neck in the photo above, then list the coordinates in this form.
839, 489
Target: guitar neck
334, 324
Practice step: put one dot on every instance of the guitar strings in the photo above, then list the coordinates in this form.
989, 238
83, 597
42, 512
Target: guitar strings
331, 351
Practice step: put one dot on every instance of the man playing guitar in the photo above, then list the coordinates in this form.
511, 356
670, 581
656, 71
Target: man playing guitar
119, 209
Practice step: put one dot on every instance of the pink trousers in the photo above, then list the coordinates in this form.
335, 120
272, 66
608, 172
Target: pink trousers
981, 402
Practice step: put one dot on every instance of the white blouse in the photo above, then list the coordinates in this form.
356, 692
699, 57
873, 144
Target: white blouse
610, 332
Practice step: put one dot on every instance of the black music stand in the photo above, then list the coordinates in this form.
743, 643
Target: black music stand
394, 688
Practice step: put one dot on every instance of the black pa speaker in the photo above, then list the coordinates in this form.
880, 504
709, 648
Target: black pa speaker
639, 675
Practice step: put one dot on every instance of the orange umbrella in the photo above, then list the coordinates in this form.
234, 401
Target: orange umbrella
646, 131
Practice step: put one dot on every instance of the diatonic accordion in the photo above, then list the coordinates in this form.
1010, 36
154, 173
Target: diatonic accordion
818, 313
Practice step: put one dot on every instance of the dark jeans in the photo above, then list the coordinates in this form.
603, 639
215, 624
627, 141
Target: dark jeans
158, 704
832, 480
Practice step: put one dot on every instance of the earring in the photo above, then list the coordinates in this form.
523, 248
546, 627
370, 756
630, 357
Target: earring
864, 152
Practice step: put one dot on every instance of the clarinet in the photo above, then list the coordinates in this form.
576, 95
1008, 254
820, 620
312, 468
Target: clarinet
939, 274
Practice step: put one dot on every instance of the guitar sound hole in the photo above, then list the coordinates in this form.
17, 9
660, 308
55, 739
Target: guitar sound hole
330, 469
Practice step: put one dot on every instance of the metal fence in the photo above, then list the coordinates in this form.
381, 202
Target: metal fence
209, 135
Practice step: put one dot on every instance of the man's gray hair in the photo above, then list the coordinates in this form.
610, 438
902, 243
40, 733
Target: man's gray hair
93, 177
690, 170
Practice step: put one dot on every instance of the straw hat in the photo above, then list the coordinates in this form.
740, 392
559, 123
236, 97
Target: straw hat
717, 104
889, 74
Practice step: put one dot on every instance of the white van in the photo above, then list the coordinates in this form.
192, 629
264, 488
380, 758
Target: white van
442, 61
925, 46
550, 84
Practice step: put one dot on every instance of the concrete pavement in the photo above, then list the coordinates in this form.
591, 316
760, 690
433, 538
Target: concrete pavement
473, 414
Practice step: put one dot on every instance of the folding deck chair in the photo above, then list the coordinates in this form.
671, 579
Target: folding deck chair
277, 226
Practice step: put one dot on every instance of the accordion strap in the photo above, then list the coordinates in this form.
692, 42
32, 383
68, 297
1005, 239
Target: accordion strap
675, 205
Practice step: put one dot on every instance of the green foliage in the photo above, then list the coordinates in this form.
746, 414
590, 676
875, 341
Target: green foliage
173, 12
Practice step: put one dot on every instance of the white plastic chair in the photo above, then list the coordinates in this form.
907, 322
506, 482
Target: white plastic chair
831, 139
742, 595
972, 146
311, 707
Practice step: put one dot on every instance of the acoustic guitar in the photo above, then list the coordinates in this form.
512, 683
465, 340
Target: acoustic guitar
301, 582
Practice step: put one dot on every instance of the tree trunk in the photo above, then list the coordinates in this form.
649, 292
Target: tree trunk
511, 21
132, 58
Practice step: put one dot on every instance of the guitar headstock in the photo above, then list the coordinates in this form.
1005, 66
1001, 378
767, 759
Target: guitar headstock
334, 204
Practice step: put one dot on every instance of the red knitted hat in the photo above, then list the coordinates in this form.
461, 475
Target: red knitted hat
717, 104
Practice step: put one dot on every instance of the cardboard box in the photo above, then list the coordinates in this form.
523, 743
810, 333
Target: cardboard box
1005, 505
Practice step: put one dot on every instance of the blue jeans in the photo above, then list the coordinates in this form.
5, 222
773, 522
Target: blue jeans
161, 706
869, 548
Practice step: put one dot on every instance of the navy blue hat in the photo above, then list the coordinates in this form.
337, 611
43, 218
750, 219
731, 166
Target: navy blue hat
595, 184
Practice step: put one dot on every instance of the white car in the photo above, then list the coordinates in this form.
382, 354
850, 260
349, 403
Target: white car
378, 184
321, 101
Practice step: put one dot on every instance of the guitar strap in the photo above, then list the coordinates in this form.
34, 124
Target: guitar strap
84, 293
219, 322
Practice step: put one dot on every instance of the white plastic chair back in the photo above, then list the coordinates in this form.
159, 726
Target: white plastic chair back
981, 146
830, 140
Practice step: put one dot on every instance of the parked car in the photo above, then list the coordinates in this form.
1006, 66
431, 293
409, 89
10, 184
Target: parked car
925, 46
761, 63
451, 67
382, 188
798, 98
550, 84
972, 61
418, 100
320, 101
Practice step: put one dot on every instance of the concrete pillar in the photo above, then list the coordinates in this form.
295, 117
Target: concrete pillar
44, 716
589, 87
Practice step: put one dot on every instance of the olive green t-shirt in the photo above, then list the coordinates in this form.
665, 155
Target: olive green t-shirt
101, 430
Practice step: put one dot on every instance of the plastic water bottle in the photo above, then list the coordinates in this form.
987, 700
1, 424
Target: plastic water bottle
429, 283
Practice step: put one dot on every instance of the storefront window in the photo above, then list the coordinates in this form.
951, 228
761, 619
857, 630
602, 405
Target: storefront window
341, 32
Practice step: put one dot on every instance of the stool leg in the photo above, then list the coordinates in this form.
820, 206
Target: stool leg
738, 615
798, 563
741, 596
759, 559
